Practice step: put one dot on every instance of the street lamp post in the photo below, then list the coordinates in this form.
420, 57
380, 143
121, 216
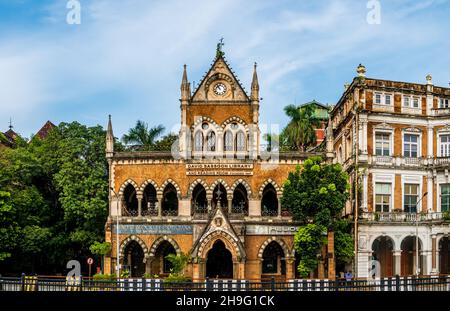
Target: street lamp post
117, 233
417, 234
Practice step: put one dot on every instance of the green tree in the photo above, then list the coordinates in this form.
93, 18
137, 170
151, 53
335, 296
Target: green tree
57, 205
143, 137
308, 242
9, 230
100, 249
316, 193
166, 143
300, 132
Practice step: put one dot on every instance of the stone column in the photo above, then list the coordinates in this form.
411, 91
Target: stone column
397, 262
279, 206
254, 207
159, 197
430, 142
230, 201
365, 191
184, 207
362, 266
433, 254
139, 197
364, 136
430, 193
290, 269
209, 198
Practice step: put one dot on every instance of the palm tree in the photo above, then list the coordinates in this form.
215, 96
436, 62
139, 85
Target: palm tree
142, 136
300, 132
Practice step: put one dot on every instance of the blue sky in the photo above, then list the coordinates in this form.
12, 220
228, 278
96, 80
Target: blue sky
126, 57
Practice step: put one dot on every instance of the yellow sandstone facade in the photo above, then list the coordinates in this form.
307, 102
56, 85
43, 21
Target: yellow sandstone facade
215, 197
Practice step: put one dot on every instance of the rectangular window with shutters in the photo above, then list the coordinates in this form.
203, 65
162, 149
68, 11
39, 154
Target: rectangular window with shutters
383, 193
406, 101
382, 144
378, 98
415, 102
444, 145
388, 99
445, 197
411, 145
411, 197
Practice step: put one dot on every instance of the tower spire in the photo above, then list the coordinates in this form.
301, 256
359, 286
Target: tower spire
185, 86
109, 139
255, 84
10, 124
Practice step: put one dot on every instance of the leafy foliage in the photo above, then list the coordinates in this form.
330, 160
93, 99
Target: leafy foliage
316, 193
143, 137
300, 132
308, 242
178, 262
56, 205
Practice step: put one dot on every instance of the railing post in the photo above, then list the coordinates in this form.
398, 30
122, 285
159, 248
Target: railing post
397, 283
272, 283
22, 281
81, 283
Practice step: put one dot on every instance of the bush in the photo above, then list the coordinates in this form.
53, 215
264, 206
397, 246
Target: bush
446, 215
104, 277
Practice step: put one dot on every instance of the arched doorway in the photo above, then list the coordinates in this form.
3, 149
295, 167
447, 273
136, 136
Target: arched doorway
219, 263
169, 205
269, 202
199, 201
444, 255
274, 262
130, 200
382, 251
134, 259
160, 265
240, 200
408, 259
220, 193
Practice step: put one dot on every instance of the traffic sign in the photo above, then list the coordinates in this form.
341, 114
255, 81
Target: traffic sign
90, 261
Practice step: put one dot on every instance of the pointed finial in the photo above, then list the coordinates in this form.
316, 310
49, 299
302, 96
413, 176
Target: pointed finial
184, 80
10, 124
255, 84
109, 139
361, 70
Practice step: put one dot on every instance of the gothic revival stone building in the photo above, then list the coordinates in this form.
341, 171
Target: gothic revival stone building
216, 197
394, 140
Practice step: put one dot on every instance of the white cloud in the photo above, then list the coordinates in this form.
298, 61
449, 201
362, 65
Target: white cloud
137, 49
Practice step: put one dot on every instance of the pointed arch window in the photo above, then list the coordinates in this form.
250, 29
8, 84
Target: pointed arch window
211, 141
198, 141
240, 141
228, 141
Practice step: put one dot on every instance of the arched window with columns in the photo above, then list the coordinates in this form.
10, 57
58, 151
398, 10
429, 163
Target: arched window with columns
130, 201
198, 141
211, 141
170, 201
240, 141
269, 201
228, 141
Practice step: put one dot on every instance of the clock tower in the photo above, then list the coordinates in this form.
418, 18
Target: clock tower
219, 119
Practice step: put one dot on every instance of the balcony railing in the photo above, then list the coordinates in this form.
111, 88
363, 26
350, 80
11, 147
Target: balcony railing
401, 216
440, 111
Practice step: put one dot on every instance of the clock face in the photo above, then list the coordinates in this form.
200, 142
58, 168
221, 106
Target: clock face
220, 89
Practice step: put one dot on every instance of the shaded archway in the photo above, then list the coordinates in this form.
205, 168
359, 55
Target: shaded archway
219, 263
269, 201
239, 203
149, 204
160, 265
199, 201
444, 255
408, 259
382, 251
220, 193
133, 259
130, 200
169, 205
274, 262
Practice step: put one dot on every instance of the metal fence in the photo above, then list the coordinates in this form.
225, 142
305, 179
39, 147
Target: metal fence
38, 283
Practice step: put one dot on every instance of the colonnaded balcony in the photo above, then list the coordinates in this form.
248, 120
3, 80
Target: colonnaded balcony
404, 217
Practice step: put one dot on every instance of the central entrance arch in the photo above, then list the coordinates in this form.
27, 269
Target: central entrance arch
219, 262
